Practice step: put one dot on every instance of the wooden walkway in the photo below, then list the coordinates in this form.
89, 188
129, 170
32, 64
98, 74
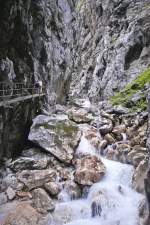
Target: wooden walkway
20, 99
18, 92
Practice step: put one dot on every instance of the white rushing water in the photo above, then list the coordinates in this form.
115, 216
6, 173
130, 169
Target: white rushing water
111, 201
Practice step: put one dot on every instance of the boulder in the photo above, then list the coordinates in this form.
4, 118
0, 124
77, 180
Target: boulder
119, 129
63, 214
72, 189
82, 103
122, 150
119, 110
36, 178
105, 127
52, 188
9, 181
109, 138
93, 137
140, 175
10, 193
136, 155
24, 195
143, 211
3, 198
138, 158
107, 115
19, 213
32, 158
110, 154
23, 163
80, 115
89, 170
100, 121
56, 135
103, 145
41, 201
135, 141
131, 155
65, 173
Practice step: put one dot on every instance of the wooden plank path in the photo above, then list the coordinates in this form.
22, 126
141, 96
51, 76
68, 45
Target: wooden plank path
19, 99
11, 93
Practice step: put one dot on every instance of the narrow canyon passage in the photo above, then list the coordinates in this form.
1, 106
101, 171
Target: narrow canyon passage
78, 151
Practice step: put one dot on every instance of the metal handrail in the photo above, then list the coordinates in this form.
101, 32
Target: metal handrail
7, 88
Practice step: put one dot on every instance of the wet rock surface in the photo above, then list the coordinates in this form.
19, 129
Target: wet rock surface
45, 177
20, 213
36, 178
89, 170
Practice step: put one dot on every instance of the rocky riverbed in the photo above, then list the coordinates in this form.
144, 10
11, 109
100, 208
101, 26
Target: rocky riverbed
70, 150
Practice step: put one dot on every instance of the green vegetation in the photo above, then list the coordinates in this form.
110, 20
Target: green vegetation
123, 97
62, 128
141, 105
66, 129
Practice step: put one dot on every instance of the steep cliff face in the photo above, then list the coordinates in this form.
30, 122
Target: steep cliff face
90, 48
112, 46
36, 43
15, 122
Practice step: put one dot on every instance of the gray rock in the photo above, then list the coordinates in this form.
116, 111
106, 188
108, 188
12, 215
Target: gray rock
52, 188
143, 211
32, 158
9, 181
119, 129
36, 178
140, 175
80, 115
3, 198
119, 110
42, 201
56, 135
105, 129
110, 36
20, 213
10, 193
136, 98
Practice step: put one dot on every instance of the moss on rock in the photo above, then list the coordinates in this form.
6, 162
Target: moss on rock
124, 97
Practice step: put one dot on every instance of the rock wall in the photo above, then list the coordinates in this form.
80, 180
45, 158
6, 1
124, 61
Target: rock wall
112, 46
90, 48
36, 43
15, 122
37, 40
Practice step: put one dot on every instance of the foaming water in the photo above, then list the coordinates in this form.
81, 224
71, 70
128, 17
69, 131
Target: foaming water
111, 201
85, 147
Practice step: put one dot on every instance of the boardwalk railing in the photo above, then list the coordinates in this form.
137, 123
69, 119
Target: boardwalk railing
15, 90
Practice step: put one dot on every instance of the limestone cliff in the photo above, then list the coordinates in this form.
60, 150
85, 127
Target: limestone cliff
90, 48
112, 45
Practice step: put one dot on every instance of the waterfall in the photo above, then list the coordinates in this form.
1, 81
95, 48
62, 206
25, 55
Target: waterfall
112, 201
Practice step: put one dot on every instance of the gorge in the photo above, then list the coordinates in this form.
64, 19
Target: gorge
80, 154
